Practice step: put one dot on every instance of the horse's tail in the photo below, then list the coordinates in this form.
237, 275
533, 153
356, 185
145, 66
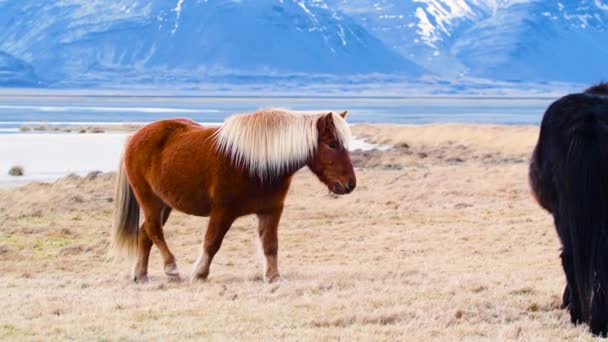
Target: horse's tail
583, 204
126, 216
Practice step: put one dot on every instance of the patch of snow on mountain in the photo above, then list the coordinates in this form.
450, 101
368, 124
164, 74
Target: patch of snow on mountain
601, 5
178, 14
443, 14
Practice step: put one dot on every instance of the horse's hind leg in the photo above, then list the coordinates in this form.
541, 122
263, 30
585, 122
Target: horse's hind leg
154, 228
219, 223
170, 265
140, 271
156, 214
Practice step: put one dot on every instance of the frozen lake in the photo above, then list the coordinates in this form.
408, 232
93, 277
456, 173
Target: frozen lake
49, 156
16, 110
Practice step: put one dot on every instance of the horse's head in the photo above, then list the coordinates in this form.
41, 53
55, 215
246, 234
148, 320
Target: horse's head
331, 160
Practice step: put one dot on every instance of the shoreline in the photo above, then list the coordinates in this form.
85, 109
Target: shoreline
99, 152
46, 156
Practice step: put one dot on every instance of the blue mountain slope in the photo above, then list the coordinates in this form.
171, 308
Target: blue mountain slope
524, 40
539, 40
189, 38
96, 43
267, 35
15, 72
421, 30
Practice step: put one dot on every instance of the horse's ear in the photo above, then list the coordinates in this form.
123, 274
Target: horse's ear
343, 114
325, 123
329, 120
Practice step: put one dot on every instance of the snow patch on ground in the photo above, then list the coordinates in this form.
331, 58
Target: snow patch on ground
48, 157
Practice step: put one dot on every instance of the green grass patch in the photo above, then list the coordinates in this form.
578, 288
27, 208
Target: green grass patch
10, 331
13, 241
36, 221
51, 244
39, 246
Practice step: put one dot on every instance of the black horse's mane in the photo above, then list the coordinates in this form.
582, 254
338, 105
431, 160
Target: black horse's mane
598, 89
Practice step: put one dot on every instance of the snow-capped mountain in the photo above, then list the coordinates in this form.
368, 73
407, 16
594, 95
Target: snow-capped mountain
189, 39
524, 40
422, 30
100, 42
539, 40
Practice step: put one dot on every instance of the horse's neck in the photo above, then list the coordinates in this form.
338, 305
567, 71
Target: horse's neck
282, 178
275, 186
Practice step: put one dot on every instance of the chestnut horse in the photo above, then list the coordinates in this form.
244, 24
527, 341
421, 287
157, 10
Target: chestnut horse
243, 167
568, 174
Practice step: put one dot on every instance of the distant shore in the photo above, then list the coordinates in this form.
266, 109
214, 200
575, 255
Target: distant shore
95, 129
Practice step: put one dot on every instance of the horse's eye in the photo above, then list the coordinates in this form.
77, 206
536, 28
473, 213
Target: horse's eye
332, 145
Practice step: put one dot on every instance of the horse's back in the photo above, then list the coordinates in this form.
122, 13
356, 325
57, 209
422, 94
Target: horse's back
566, 111
170, 159
564, 118
151, 142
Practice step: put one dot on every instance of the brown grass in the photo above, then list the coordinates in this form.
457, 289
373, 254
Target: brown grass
449, 245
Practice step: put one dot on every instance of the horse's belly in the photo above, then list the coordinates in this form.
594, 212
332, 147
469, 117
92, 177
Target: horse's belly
190, 201
204, 210
198, 209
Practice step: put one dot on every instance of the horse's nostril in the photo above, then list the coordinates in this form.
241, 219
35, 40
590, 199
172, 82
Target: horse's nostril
338, 187
350, 185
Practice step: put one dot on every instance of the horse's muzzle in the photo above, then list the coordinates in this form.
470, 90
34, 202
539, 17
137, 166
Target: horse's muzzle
344, 188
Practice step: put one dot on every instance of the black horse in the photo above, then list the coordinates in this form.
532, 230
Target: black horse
569, 178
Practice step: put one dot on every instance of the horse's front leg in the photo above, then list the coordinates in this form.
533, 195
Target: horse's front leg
267, 229
219, 223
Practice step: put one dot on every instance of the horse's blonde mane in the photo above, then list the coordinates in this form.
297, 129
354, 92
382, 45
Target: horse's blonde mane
270, 142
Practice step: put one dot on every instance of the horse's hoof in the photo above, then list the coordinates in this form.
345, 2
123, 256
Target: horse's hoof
197, 279
171, 271
174, 278
599, 331
576, 319
276, 278
140, 279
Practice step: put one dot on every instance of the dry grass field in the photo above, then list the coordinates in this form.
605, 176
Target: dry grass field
440, 241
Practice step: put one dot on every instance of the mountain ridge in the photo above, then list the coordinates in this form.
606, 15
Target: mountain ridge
75, 43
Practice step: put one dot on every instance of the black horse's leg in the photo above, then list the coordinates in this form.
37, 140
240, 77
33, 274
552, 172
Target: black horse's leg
599, 303
566, 297
570, 297
567, 261
599, 311
573, 304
